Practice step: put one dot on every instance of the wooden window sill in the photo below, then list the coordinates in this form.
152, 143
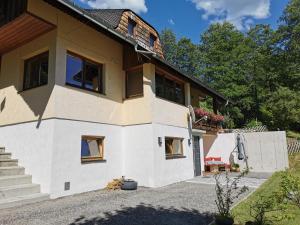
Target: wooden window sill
175, 157
92, 160
85, 89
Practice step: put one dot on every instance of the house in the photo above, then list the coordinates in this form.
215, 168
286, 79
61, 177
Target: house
86, 96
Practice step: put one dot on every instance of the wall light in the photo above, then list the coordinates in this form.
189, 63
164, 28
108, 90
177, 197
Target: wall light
189, 142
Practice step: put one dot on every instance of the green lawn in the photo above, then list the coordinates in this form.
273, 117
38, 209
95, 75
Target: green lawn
293, 134
241, 211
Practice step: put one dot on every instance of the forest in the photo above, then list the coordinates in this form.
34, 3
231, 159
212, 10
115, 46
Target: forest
258, 70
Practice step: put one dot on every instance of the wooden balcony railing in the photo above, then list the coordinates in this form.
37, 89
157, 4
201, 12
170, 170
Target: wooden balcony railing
210, 127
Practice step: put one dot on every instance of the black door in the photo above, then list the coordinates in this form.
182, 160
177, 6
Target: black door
197, 158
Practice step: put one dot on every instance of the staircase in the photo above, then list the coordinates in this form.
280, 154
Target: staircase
16, 188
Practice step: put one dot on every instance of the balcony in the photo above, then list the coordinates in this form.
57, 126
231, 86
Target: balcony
207, 121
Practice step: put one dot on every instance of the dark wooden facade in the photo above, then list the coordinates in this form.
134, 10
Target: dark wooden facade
11, 9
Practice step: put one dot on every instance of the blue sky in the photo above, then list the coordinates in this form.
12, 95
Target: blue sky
190, 18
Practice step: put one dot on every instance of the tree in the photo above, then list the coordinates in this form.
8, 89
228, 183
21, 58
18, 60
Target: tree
187, 56
281, 109
169, 45
224, 59
288, 46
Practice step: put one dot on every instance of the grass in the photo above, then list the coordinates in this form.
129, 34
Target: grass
293, 134
242, 211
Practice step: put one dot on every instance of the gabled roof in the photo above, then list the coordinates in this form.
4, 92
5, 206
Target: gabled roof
101, 23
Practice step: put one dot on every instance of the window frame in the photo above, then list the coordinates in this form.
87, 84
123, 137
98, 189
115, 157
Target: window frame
175, 83
100, 148
126, 83
154, 38
134, 23
174, 155
84, 62
26, 61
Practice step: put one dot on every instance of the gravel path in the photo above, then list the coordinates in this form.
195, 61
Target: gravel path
251, 182
177, 204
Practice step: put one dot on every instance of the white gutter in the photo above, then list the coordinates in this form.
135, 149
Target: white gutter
143, 52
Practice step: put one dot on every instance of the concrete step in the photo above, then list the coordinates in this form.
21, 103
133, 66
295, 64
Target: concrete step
11, 171
19, 190
22, 200
5, 155
8, 162
2, 149
15, 180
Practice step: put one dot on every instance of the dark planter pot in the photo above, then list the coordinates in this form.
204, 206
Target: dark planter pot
129, 185
222, 220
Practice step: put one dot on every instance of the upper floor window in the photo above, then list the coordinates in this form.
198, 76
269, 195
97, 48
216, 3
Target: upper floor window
134, 84
131, 27
36, 71
84, 73
152, 40
169, 89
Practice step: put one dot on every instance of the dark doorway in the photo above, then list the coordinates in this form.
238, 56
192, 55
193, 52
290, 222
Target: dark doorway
197, 156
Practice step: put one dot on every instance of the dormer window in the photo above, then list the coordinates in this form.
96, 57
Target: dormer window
131, 27
152, 40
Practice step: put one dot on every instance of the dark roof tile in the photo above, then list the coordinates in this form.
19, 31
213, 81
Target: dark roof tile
110, 16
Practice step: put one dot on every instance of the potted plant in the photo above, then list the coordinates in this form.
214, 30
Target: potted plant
226, 194
235, 167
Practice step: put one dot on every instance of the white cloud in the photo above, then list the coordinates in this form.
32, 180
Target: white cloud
239, 12
137, 6
171, 21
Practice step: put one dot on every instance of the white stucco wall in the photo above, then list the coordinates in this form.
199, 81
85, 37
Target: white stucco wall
32, 146
221, 145
138, 154
67, 166
167, 171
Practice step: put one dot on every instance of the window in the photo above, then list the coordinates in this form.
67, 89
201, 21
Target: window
84, 73
169, 89
91, 148
152, 40
131, 27
134, 84
36, 71
173, 147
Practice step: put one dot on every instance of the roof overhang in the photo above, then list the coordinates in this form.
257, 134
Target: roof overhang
21, 30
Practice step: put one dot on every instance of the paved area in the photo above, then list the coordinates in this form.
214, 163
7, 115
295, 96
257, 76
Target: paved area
178, 204
251, 180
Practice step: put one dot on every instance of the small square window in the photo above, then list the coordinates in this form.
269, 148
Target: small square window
36, 71
173, 147
92, 148
131, 27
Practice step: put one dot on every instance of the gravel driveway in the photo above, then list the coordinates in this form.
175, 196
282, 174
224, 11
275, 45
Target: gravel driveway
177, 204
